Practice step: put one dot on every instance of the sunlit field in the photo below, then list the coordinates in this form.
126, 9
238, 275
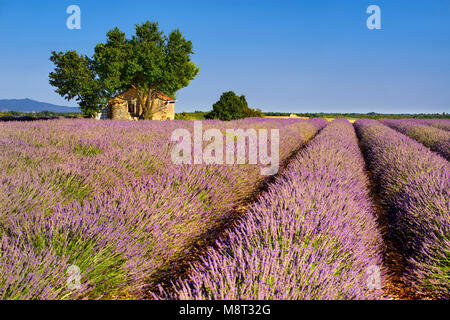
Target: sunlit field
349, 202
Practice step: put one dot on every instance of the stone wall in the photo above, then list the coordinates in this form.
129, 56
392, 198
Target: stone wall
164, 110
125, 106
119, 110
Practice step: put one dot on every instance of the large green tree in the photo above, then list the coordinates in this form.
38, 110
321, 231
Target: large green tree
149, 62
231, 106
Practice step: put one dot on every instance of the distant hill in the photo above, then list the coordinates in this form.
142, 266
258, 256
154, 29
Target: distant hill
28, 105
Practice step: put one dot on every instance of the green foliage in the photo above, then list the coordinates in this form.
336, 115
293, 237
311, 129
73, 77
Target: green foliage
102, 267
149, 62
87, 150
73, 186
43, 115
252, 113
196, 115
231, 107
74, 78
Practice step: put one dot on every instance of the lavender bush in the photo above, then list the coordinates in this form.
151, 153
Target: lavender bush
436, 139
105, 196
312, 235
414, 187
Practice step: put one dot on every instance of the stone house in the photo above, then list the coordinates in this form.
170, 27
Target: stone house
125, 106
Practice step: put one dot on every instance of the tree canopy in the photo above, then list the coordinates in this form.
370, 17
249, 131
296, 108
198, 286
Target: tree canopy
149, 61
231, 107
75, 78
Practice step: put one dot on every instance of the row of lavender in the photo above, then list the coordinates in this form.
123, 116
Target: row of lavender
436, 139
414, 188
105, 197
443, 124
312, 235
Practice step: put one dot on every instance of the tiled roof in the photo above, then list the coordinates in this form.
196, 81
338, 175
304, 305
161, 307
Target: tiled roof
165, 96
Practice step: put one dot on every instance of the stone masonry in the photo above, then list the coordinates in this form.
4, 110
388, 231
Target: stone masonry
125, 106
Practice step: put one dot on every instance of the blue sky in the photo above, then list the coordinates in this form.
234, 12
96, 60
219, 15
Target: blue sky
290, 56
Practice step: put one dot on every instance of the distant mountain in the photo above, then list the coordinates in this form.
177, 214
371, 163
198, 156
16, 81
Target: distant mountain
28, 105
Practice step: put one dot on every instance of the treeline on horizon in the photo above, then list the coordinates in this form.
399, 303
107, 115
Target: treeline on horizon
200, 115
370, 115
42, 115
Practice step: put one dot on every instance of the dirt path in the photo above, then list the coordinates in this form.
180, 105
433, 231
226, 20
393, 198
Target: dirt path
393, 260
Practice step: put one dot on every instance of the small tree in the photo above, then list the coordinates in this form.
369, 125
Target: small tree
231, 107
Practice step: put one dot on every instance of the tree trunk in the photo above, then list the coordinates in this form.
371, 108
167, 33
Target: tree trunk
141, 101
148, 108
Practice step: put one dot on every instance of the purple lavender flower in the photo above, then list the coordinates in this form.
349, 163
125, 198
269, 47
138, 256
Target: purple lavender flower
105, 196
312, 235
414, 188
437, 140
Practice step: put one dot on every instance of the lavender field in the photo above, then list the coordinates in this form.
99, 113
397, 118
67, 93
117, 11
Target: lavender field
431, 134
106, 197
